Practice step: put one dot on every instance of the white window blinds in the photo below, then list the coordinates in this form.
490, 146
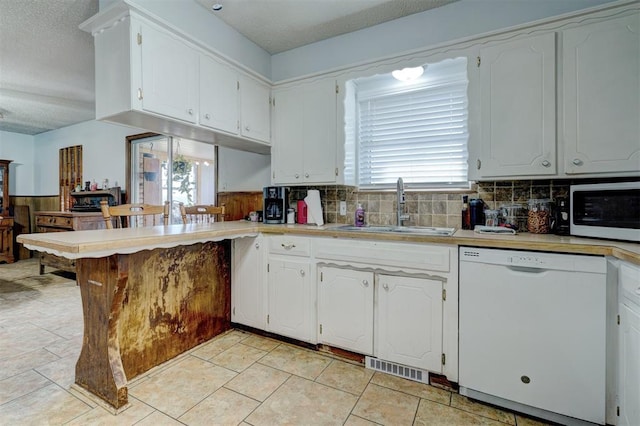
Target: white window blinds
417, 132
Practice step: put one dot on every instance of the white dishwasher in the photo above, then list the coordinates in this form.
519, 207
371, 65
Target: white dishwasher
532, 332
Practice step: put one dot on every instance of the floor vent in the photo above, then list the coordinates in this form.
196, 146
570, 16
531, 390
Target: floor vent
399, 370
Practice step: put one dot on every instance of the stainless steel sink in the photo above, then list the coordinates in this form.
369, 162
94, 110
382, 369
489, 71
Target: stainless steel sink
414, 230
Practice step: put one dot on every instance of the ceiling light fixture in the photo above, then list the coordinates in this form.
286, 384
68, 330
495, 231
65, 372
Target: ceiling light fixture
216, 7
408, 74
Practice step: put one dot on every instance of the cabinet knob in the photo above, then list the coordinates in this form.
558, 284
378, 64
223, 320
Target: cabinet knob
385, 286
306, 175
546, 163
207, 116
257, 245
365, 283
297, 176
247, 128
302, 273
577, 162
190, 111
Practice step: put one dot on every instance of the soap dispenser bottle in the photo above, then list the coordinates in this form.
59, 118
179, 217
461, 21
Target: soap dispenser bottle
359, 216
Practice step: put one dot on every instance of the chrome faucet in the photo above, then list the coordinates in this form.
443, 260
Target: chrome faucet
400, 202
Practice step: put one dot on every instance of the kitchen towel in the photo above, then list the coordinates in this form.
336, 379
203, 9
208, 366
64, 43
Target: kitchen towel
314, 207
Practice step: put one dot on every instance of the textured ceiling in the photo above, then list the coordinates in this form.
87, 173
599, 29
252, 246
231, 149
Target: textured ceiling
47, 63
279, 25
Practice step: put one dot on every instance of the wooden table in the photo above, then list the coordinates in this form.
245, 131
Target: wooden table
148, 295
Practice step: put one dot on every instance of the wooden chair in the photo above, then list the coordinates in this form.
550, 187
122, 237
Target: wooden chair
201, 214
134, 215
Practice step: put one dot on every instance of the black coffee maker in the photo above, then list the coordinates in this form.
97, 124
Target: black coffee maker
275, 204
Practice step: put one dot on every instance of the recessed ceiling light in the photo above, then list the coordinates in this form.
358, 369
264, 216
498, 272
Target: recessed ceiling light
216, 7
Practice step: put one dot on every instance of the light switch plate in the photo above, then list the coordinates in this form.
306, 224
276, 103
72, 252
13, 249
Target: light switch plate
343, 208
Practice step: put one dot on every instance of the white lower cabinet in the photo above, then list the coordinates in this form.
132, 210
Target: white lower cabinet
629, 346
247, 282
290, 298
345, 309
409, 321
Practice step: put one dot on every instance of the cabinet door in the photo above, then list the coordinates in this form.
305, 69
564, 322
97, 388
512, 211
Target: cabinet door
255, 121
169, 75
288, 137
601, 82
345, 309
291, 301
248, 286
305, 134
319, 153
409, 321
629, 366
218, 95
518, 108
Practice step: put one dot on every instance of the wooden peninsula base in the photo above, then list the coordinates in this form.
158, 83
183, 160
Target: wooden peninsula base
144, 308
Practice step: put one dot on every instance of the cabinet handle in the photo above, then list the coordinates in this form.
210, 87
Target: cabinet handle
288, 246
306, 175
546, 163
257, 245
207, 116
365, 283
190, 111
577, 162
301, 273
478, 164
385, 286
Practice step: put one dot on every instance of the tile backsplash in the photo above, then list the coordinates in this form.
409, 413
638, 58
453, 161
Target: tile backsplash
426, 208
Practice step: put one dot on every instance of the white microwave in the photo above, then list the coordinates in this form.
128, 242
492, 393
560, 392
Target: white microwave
606, 210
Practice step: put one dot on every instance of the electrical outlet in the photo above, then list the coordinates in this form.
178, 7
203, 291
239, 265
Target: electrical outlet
343, 208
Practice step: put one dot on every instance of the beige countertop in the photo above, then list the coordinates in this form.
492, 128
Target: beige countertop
100, 243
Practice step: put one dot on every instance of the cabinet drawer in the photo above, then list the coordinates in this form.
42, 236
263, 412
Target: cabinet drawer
382, 253
289, 245
54, 222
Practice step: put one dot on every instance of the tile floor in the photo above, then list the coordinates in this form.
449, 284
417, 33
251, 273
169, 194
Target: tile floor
236, 378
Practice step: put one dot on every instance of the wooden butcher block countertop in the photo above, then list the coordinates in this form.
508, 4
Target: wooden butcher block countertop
100, 243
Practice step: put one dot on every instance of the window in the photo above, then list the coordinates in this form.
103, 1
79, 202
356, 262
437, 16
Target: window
417, 130
190, 179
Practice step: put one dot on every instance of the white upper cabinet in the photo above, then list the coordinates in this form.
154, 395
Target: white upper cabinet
304, 134
169, 75
218, 95
517, 109
255, 98
601, 96
151, 77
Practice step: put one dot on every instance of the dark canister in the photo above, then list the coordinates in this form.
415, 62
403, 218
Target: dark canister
476, 212
562, 216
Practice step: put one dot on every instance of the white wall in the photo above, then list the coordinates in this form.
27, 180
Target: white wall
103, 153
454, 21
242, 171
20, 149
200, 24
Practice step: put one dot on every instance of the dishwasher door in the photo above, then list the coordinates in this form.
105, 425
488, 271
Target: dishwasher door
532, 330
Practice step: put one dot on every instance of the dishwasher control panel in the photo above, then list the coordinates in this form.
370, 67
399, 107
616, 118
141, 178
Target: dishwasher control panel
526, 260
534, 259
